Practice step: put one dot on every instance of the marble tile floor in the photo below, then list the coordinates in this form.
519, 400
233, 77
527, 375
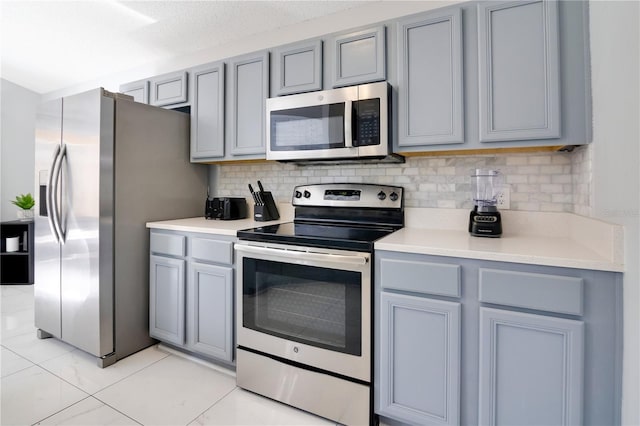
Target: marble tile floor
51, 383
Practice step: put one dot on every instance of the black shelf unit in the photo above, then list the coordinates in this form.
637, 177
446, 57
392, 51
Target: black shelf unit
16, 267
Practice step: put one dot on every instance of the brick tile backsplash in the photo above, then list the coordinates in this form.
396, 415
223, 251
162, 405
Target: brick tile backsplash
555, 181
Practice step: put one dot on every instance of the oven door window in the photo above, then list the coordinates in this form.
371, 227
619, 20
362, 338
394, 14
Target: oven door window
308, 128
316, 306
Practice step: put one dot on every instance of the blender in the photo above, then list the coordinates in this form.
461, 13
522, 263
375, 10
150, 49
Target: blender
484, 220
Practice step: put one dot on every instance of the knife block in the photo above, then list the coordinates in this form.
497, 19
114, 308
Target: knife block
266, 211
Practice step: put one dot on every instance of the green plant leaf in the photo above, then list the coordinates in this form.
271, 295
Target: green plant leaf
24, 201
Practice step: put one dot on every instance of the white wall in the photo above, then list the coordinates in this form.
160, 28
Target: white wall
17, 133
615, 52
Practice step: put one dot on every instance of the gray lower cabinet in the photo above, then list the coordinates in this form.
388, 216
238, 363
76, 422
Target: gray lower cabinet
358, 57
166, 305
519, 76
430, 79
464, 341
207, 112
248, 89
297, 68
419, 359
138, 89
191, 292
210, 307
531, 369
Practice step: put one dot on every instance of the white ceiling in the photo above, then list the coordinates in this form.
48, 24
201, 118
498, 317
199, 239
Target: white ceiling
51, 45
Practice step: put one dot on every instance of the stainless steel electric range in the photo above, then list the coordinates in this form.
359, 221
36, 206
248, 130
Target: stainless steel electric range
305, 299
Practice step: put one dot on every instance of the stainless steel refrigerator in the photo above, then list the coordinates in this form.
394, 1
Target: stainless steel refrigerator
105, 166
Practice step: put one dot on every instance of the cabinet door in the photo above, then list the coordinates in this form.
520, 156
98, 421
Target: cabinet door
359, 57
210, 307
167, 299
518, 70
207, 111
249, 86
138, 89
297, 68
531, 369
169, 89
419, 360
430, 86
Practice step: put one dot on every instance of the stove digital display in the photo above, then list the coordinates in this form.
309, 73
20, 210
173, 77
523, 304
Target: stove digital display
342, 195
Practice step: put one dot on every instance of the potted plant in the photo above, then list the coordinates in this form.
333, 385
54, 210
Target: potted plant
25, 202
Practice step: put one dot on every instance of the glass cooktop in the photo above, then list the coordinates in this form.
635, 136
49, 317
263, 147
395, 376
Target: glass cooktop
341, 237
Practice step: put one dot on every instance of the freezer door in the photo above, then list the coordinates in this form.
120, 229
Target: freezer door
86, 221
47, 248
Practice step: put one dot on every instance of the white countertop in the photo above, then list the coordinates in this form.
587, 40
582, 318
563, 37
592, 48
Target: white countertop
200, 224
220, 227
551, 239
528, 249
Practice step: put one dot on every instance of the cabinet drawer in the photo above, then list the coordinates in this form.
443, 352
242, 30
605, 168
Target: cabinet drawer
552, 293
212, 250
420, 277
173, 245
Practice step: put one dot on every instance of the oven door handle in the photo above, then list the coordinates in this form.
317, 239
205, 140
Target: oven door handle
305, 255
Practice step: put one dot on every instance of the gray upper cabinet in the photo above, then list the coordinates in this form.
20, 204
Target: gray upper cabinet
531, 369
297, 68
517, 90
168, 89
358, 57
207, 112
248, 91
419, 359
430, 79
518, 67
138, 89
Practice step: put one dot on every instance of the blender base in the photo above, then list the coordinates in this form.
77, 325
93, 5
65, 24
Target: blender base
485, 223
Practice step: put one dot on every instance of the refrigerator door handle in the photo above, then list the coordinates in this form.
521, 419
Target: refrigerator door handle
57, 171
50, 195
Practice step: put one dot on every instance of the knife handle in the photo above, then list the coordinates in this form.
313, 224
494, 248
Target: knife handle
253, 194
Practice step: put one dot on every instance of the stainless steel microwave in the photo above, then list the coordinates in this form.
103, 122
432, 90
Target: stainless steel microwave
350, 123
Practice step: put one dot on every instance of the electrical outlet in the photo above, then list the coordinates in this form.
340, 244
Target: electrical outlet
504, 198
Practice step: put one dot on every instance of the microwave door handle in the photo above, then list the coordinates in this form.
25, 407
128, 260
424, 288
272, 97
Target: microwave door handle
348, 124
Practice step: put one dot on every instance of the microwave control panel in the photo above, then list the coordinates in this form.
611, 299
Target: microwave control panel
366, 115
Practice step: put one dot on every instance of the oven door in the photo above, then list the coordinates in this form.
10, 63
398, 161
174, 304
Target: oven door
306, 305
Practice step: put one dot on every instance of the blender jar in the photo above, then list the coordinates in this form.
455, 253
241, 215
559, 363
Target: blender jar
485, 185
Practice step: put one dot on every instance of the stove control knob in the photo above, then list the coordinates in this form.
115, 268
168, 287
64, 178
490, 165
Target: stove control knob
307, 194
381, 195
298, 194
393, 196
